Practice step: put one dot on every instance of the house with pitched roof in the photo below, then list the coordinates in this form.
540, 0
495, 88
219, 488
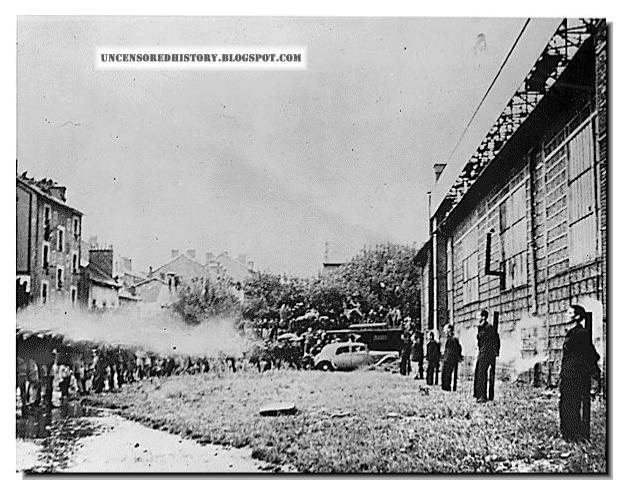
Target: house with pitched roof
183, 268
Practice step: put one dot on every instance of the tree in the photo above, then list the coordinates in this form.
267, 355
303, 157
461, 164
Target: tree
197, 302
265, 293
384, 275
327, 294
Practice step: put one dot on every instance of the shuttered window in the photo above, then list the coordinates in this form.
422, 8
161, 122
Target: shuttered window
581, 203
470, 273
513, 232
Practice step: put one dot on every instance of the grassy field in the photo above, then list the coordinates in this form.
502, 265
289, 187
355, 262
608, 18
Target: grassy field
367, 421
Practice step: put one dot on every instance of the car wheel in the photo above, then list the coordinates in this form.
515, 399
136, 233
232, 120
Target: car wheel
326, 366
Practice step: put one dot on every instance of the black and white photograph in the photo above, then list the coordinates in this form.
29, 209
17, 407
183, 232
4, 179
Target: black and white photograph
282, 245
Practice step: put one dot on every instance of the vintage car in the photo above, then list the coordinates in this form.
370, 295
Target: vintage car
342, 356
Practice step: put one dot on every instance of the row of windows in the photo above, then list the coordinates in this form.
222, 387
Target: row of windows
76, 228
575, 163
45, 291
46, 258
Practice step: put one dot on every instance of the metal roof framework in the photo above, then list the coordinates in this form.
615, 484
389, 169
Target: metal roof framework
568, 38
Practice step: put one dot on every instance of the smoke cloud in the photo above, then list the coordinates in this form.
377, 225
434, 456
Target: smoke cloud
528, 336
595, 306
159, 332
529, 331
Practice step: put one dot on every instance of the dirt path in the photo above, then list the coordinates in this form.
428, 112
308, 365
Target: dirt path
120, 445
103, 442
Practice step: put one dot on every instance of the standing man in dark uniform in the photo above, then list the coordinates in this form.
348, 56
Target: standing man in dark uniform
404, 353
451, 358
488, 350
433, 361
579, 365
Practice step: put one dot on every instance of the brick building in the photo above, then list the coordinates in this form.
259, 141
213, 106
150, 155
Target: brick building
48, 244
522, 230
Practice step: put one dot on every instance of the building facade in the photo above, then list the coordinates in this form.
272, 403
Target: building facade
98, 289
48, 245
524, 233
227, 268
180, 270
153, 294
185, 269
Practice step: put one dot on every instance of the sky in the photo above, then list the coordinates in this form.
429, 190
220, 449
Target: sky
271, 164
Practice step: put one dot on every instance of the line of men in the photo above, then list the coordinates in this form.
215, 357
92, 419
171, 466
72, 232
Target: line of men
45, 362
412, 350
578, 367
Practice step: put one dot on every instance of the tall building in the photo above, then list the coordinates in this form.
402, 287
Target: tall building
48, 243
522, 229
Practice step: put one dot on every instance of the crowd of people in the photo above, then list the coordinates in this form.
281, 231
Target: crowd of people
46, 362
299, 332
300, 318
310, 330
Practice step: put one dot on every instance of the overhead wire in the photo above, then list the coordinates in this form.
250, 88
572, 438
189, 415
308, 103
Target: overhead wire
477, 109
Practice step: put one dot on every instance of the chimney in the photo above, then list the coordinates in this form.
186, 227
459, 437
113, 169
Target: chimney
102, 259
251, 265
209, 257
174, 253
438, 170
57, 192
126, 264
191, 253
93, 241
242, 258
